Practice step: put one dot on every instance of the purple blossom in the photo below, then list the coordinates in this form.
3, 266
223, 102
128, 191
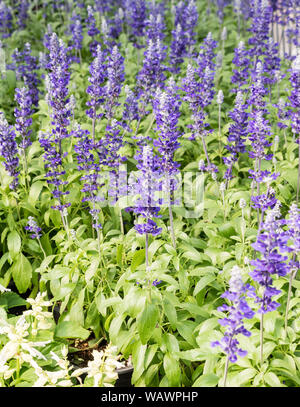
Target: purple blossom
295, 96
22, 115
167, 113
9, 150
115, 79
151, 75
5, 20
240, 75
237, 134
146, 185
293, 224
92, 30
186, 15
58, 100
136, 14
260, 27
34, 228
155, 27
23, 7
26, 67
178, 49
131, 108
237, 312
271, 242
96, 91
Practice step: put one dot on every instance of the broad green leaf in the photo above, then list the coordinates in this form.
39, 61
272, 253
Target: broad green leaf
137, 259
138, 359
35, 191
272, 380
170, 312
22, 273
70, 329
203, 282
10, 299
193, 355
13, 243
207, 380
172, 370
146, 322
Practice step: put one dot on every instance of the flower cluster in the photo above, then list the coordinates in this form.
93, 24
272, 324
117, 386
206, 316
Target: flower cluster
271, 243
9, 150
101, 371
237, 312
34, 228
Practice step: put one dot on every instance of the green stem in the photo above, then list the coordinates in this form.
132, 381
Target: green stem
261, 339
226, 371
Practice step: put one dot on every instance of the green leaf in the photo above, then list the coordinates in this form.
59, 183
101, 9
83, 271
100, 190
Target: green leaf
35, 191
10, 299
272, 380
137, 259
172, 370
138, 360
207, 380
146, 322
170, 312
22, 273
70, 329
13, 243
186, 330
193, 355
203, 282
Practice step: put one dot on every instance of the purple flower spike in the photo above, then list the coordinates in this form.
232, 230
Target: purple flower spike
22, 115
237, 312
145, 187
9, 150
33, 227
271, 242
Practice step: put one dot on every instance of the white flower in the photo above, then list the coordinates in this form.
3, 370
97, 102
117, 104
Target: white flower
3, 289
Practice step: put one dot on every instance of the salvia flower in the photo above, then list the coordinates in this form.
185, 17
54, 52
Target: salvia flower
22, 115
237, 134
295, 95
5, 20
9, 150
146, 205
151, 75
260, 27
167, 113
26, 66
34, 228
178, 49
131, 108
293, 224
155, 27
241, 61
237, 312
271, 243
115, 79
136, 15
92, 30
98, 72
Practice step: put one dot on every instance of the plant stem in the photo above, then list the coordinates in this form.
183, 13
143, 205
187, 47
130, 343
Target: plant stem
146, 251
172, 226
226, 371
261, 339
292, 276
42, 248
121, 221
